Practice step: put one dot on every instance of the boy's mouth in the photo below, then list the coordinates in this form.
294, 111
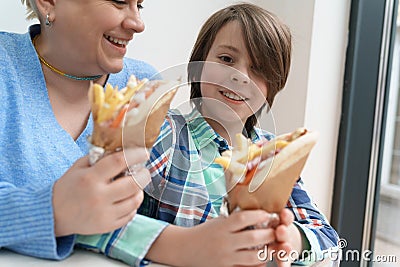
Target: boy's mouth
232, 96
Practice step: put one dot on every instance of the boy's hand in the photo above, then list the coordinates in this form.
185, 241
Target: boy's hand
224, 242
217, 242
287, 238
86, 199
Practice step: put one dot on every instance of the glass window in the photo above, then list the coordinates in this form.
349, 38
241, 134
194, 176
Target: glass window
387, 241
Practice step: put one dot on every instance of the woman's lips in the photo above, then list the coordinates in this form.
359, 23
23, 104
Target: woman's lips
116, 41
118, 45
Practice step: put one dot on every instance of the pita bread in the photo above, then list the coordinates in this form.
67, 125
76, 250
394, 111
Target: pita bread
273, 181
142, 128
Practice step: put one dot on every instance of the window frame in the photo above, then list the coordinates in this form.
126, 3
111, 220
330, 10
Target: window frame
361, 131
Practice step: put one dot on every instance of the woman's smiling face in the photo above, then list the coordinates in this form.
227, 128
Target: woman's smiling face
230, 80
94, 33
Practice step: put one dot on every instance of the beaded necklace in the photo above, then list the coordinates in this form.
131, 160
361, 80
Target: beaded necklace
78, 78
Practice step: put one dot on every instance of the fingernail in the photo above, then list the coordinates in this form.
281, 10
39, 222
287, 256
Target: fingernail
273, 220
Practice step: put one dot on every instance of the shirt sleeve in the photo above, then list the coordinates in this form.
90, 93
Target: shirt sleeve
26, 209
27, 224
129, 243
321, 237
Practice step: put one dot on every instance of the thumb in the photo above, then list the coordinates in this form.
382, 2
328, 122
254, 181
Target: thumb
82, 162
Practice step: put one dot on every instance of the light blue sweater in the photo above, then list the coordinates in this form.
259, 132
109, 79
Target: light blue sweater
34, 149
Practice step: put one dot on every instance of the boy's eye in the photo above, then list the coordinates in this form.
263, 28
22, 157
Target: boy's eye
226, 59
140, 6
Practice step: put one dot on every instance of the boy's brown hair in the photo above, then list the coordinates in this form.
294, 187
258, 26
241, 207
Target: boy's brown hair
267, 39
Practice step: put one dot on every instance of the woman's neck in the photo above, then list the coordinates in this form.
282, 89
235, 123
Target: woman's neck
57, 81
67, 88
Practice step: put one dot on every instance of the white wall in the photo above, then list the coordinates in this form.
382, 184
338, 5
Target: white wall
324, 92
312, 96
12, 14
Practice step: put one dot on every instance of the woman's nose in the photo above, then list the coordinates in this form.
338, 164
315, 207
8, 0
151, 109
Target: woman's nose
133, 21
240, 78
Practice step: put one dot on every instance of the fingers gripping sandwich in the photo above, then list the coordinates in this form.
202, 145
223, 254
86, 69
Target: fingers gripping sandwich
262, 175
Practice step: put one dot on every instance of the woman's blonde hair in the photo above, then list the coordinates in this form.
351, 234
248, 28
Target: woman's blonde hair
31, 9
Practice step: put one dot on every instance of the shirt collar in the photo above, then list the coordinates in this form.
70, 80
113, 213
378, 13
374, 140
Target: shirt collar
34, 30
203, 134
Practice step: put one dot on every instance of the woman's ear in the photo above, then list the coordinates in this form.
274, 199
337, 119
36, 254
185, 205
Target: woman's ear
46, 7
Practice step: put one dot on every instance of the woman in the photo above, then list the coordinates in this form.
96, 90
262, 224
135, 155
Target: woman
48, 191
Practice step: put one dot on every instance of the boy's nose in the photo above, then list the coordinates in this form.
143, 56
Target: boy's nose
240, 78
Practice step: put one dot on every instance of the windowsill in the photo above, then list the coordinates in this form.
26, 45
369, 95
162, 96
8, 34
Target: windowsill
390, 191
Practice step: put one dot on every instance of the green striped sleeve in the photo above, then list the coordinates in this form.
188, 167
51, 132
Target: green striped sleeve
128, 244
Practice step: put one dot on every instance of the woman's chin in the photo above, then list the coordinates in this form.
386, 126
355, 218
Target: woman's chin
115, 68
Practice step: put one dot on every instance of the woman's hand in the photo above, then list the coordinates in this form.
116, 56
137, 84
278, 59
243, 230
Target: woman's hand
217, 242
86, 200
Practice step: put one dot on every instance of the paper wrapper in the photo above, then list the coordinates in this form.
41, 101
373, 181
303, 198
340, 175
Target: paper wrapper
273, 182
110, 139
95, 152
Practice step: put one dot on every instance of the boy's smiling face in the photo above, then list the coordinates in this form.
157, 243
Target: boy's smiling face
232, 90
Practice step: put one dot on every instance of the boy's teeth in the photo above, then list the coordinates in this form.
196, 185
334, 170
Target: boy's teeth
116, 41
232, 96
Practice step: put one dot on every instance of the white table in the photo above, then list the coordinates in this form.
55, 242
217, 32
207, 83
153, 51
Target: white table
82, 258
77, 259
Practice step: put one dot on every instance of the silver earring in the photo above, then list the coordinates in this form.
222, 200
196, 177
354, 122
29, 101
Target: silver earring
48, 22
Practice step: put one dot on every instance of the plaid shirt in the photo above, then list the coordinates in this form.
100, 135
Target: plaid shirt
187, 189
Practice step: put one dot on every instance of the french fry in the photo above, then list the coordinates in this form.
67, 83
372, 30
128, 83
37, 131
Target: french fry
109, 91
98, 95
98, 98
131, 90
